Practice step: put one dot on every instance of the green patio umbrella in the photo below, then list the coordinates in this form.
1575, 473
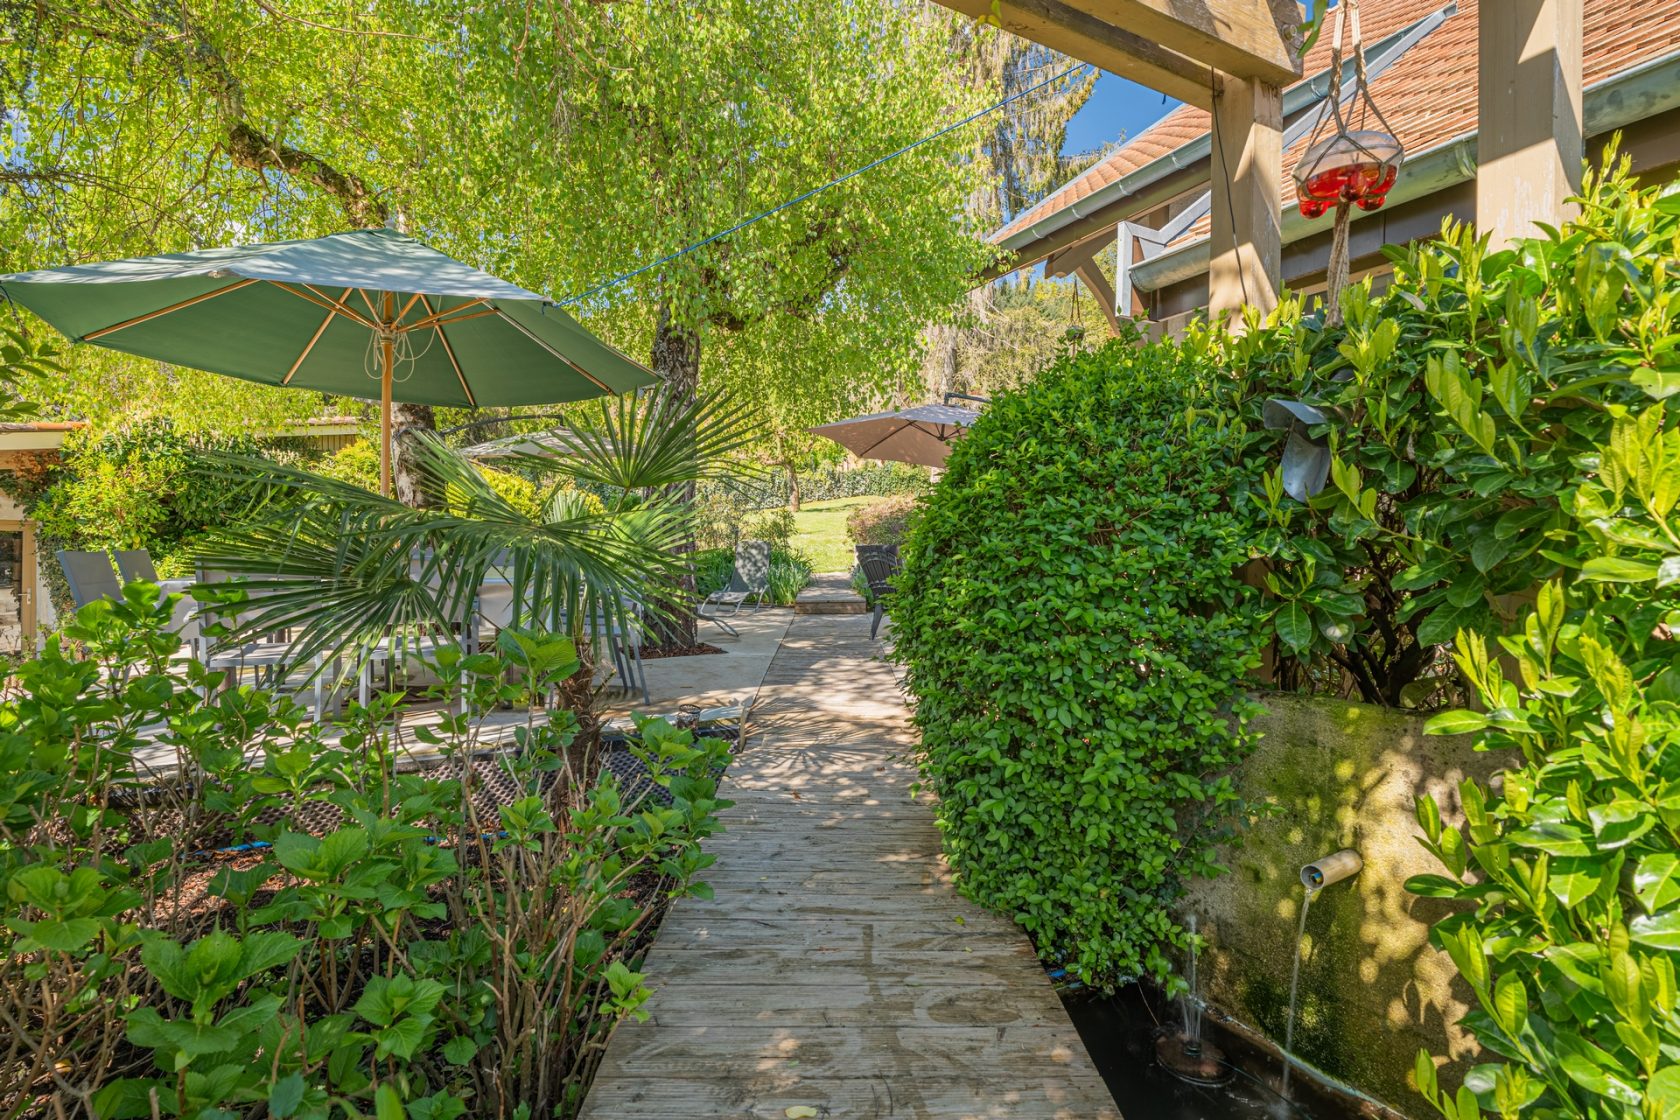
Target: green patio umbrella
366, 313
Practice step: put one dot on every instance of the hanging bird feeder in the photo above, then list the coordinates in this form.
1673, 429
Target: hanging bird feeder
1352, 157
1357, 167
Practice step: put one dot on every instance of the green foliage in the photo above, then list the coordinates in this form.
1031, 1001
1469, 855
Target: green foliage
343, 567
1460, 406
882, 522
1562, 465
1075, 638
291, 923
790, 571
138, 489
773, 525
25, 360
357, 463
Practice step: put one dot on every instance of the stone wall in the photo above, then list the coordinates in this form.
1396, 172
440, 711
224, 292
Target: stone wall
1373, 990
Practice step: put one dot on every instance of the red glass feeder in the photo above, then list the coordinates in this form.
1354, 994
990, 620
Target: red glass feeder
1356, 167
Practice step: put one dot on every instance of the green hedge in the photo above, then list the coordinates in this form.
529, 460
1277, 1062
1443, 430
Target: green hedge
1075, 639
821, 484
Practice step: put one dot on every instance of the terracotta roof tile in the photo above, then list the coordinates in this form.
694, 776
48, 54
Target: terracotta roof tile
1428, 95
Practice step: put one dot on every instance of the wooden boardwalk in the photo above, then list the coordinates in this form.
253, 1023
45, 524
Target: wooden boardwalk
836, 969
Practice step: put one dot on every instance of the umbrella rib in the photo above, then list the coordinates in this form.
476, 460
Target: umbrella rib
446, 316
373, 312
319, 331
321, 299
526, 331
162, 311
409, 306
450, 351
865, 452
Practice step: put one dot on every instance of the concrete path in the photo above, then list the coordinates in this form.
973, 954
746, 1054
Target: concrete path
836, 969
711, 679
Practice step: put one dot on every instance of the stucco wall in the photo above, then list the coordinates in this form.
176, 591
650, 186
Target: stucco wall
1341, 775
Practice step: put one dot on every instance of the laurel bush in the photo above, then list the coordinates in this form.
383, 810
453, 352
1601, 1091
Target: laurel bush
1075, 638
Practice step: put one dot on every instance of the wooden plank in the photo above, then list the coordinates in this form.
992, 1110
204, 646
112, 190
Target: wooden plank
835, 965
814, 974
839, 1052
768, 1096
771, 1005
1064, 27
1248, 38
837, 933
755, 905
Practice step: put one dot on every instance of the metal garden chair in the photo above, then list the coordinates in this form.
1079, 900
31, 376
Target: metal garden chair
136, 564
90, 575
878, 563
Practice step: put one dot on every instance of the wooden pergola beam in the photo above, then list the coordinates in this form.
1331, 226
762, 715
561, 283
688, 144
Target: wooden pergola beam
1247, 38
1529, 144
1245, 265
1063, 26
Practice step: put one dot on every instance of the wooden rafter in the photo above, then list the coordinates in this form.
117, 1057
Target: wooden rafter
1064, 27
1174, 46
1247, 38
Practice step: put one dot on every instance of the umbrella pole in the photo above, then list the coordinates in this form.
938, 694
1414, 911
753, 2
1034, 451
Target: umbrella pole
385, 416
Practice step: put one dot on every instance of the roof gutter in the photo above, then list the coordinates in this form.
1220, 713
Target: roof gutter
1644, 91
1296, 98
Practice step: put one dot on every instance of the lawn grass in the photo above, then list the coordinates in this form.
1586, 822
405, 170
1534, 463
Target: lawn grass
820, 533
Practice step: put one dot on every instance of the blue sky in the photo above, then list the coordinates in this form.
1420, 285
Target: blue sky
1116, 108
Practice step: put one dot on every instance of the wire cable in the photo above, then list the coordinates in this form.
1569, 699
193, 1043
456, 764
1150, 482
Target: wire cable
831, 184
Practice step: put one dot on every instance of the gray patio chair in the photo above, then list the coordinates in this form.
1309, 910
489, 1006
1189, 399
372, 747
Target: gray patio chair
90, 576
749, 580
268, 658
878, 563
420, 643
136, 564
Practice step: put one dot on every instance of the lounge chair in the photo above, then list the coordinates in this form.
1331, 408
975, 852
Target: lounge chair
135, 564
878, 563
90, 576
749, 580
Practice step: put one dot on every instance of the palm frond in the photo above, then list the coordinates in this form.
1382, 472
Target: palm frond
345, 569
661, 439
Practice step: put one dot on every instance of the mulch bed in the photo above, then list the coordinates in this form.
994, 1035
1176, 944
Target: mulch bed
653, 653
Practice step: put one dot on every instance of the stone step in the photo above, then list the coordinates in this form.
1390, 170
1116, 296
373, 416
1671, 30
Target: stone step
830, 593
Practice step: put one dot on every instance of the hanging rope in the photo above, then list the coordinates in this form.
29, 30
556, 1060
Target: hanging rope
1351, 167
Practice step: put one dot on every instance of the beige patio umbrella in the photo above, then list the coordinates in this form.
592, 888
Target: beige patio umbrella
922, 435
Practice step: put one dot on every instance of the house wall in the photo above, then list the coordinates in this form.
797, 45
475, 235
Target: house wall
1336, 775
1653, 145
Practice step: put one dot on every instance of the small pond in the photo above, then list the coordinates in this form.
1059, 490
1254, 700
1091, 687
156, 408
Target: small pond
1122, 1033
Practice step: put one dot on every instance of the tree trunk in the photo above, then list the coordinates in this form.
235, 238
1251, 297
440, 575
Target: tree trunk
793, 485
676, 362
409, 484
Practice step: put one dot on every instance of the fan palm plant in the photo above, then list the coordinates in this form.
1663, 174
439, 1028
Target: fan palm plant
346, 570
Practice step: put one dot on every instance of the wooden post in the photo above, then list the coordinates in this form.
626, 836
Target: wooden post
1246, 261
1530, 143
385, 448
387, 349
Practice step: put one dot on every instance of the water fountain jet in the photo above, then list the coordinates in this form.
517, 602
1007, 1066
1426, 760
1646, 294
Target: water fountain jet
1185, 1055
